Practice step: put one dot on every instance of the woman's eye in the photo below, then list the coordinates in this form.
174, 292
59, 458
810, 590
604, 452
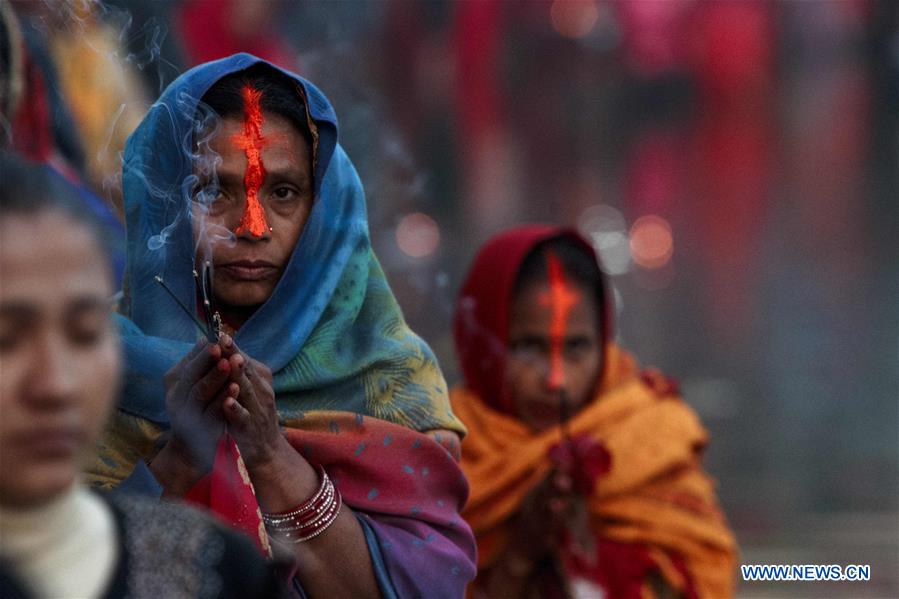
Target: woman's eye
9, 341
88, 330
208, 195
284, 193
527, 349
578, 347
86, 337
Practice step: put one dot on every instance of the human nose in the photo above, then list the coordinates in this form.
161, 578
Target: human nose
263, 235
52, 379
254, 222
555, 378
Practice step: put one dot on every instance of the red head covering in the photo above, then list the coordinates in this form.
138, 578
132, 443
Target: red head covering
481, 319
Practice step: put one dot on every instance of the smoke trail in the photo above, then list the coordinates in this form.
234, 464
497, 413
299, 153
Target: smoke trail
200, 197
152, 33
111, 128
198, 190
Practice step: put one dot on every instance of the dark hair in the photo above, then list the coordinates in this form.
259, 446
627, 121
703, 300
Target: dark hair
8, 68
29, 188
578, 263
280, 95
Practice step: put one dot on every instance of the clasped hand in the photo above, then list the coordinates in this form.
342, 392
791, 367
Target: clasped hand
216, 385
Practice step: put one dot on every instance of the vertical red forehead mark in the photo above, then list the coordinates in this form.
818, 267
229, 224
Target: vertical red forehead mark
560, 299
252, 142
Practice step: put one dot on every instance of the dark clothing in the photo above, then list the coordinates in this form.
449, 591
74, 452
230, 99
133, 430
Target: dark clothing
169, 551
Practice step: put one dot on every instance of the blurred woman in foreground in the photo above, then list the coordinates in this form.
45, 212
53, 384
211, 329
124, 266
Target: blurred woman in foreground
60, 359
585, 471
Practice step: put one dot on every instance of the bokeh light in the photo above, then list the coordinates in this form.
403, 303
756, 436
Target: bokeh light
606, 228
651, 241
417, 235
574, 18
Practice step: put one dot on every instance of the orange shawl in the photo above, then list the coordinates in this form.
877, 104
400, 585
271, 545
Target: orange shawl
656, 494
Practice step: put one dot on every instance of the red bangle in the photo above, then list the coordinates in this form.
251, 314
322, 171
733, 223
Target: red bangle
310, 518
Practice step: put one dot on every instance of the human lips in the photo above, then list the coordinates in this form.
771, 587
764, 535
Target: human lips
249, 270
543, 412
49, 442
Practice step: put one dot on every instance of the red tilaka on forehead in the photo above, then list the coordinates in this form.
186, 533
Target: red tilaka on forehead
252, 142
561, 298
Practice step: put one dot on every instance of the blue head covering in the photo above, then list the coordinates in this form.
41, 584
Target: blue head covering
332, 332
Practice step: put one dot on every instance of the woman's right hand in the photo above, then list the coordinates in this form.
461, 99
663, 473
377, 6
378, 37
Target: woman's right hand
196, 388
542, 516
534, 532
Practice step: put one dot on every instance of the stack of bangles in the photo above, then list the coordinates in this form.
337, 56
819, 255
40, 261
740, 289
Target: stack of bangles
309, 519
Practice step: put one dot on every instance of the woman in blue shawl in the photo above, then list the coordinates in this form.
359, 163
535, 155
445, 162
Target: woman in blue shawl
236, 171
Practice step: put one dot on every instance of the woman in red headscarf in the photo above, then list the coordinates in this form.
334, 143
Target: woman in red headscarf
585, 470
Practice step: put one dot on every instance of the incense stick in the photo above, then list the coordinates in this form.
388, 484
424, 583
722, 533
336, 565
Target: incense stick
204, 289
203, 328
563, 418
567, 438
